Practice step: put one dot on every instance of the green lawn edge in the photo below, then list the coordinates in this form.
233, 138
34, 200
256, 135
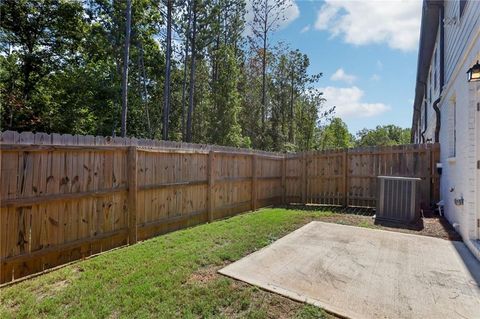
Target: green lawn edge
172, 275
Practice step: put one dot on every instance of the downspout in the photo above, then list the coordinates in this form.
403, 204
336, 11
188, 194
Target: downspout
437, 112
442, 78
414, 125
425, 120
422, 134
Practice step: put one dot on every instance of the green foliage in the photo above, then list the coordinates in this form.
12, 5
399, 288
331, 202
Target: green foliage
225, 126
294, 106
385, 135
37, 40
61, 67
335, 135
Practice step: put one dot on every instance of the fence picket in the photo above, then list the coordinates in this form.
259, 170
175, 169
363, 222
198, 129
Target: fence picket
83, 194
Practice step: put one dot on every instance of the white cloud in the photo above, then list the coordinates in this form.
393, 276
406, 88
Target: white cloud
292, 13
349, 102
375, 77
305, 29
395, 22
340, 75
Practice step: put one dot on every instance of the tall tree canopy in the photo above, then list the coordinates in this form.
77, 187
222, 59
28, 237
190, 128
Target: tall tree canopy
385, 135
335, 135
184, 70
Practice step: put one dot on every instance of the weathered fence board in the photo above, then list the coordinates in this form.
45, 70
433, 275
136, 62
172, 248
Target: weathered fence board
67, 197
349, 177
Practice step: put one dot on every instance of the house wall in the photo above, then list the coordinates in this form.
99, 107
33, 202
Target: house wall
459, 176
432, 93
459, 36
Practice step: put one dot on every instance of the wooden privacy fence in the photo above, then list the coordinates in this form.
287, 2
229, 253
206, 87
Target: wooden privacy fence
349, 177
66, 197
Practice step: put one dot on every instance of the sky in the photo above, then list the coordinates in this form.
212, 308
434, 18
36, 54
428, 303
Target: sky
367, 52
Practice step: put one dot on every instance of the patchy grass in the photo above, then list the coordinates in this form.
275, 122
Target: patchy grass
173, 275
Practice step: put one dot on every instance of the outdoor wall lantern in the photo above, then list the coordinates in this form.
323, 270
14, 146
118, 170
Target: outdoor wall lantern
439, 168
473, 74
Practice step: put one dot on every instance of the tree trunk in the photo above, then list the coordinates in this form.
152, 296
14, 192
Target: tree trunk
192, 73
145, 91
264, 67
125, 68
166, 91
264, 79
290, 131
215, 55
184, 85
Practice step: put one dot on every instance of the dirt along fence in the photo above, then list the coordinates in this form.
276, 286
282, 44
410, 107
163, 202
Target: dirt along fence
67, 197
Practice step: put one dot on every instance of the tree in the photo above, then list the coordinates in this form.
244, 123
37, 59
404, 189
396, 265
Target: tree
192, 71
128, 14
83, 67
335, 135
310, 112
225, 126
267, 14
185, 66
250, 86
144, 91
297, 64
385, 135
36, 41
296, 105
166, 92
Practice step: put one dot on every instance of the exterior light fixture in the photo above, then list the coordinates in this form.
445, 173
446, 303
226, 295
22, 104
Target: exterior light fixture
473, 74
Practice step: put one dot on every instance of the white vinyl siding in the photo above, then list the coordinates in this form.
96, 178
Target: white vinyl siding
462, 4
460, 35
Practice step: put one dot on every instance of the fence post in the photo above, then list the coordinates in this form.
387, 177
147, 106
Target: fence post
304, 178
132, 194
254, 182
345, 178
284, 178
211, 180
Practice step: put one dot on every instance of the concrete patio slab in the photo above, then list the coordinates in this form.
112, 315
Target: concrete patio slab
364, 273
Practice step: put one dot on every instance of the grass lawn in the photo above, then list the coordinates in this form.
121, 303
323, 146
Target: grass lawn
173, 275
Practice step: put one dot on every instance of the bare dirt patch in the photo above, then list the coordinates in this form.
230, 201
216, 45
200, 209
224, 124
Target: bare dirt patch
54, 287
267, 303
115, 315
430, 225
11, 306
205, 274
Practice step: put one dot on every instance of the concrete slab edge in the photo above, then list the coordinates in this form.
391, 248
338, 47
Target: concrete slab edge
296, 297
289, 294
474, 247
325, 306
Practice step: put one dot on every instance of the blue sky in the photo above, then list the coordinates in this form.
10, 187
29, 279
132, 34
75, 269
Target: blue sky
367, 51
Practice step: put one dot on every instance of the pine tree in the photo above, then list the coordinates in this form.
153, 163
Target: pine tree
126, 56
225, 128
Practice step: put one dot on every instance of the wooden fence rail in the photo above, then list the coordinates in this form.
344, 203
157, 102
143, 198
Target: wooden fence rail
67, 197
349, 177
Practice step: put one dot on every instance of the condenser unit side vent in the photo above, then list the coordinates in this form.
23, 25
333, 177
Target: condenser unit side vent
398, 199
